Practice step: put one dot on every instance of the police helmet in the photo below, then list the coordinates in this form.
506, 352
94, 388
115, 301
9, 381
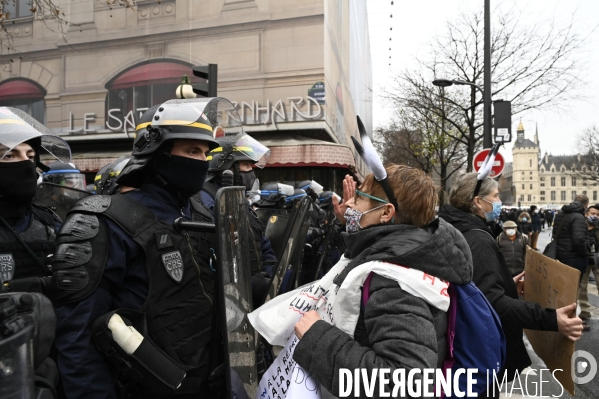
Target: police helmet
326, 198
19, 127
105, 180
309, 186
237, 148
64, 174
298, 194
273, 193
194, 119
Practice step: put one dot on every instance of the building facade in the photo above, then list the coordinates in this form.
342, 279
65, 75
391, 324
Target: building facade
548, 180
298, 73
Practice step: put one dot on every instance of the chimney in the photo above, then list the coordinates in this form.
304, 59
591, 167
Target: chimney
546, 158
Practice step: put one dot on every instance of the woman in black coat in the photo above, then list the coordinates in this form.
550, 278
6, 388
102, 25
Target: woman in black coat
470, 215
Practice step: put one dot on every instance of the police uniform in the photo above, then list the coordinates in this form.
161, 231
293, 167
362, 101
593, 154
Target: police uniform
121, 253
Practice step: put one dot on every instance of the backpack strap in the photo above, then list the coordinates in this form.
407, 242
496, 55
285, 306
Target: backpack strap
366, 290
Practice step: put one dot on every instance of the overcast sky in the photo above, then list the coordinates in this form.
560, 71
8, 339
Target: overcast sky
415, 23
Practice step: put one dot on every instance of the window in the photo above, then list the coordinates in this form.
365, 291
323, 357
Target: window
542, 179
553, 196
573, 181
529, 199
563, 195
584, 192
530, 177
25, 95
531, 172
542, 193
542, 184
573, 195
523, 187
563, 181
530, 161
522, 197
531, 186
553, 182
138, 88
594, 195
542, 198
17, 8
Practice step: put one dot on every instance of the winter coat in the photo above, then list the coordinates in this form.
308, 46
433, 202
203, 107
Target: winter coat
524, 227
395, 329
514, 252
571, 241
493, 278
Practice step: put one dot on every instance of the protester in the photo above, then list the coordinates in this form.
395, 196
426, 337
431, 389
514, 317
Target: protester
524, 224
571, 229
543, 220
549, 216
536, 226
592, 216
512, 244
395, 329
470, 215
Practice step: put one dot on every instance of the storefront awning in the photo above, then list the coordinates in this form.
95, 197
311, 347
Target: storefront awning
292, 151
20, 89
153, 73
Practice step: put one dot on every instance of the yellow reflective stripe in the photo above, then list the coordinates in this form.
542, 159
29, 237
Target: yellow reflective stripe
209, 158
114, 174
17, 121
142, 125
245, 149
187, 123
98, 177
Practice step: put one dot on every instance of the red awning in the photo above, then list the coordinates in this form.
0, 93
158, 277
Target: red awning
20, 89
311, 155
154, 73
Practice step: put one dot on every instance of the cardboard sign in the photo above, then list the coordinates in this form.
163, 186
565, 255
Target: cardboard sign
551, 284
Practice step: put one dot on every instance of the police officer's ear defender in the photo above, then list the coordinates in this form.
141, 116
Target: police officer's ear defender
145, 139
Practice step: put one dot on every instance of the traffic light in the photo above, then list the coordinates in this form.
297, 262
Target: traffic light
502, 121
210, 73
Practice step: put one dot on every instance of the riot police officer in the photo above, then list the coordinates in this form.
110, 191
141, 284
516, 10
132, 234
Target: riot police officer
239, 154
130, 265
27, 231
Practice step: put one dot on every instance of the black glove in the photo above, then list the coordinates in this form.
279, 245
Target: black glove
217, 381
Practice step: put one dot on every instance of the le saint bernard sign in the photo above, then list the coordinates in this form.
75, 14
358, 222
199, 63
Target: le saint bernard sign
291, 109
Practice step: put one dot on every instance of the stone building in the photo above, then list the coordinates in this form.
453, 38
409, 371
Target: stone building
298, 71
548, 180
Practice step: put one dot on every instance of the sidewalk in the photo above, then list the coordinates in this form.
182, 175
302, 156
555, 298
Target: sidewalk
589, 342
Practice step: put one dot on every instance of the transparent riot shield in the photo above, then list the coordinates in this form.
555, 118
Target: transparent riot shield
58, 198
235, 294
291, 257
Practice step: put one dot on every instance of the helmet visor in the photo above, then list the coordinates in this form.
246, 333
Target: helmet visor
72, 180
17, 127
253, 149
183, 113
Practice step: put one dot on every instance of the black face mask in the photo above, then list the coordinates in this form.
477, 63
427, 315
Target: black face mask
247, 179
186, 175
18, 185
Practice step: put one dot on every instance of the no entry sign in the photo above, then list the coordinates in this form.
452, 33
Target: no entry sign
498, 165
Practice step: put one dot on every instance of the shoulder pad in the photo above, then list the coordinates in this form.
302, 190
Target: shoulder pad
93, 204
78, 227
80, 258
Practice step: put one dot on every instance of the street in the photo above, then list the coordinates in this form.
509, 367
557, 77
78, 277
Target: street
589, 342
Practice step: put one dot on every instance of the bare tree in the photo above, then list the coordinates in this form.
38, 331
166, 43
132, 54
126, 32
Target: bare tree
588, 145
48, 12
534, 66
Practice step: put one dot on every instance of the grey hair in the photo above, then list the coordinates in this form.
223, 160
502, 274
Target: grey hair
462, 191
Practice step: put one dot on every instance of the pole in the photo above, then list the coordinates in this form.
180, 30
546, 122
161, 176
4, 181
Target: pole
487, 136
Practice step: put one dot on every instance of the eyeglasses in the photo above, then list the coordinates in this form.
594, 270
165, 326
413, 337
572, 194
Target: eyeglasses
362, 194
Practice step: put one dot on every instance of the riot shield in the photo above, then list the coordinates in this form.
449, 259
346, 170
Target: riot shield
276, 227
295, 237
264, 214
58, 198
234, 291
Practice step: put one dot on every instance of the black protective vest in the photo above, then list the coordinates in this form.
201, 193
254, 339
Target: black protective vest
15, 261
178, 308
256, 230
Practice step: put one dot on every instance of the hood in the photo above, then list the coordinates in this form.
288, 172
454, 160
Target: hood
574, 207
438, 249
524, 215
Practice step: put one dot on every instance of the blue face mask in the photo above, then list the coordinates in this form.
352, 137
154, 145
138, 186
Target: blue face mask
494, 214
525, 220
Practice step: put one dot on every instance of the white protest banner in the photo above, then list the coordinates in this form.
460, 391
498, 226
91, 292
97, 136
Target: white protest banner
285, 379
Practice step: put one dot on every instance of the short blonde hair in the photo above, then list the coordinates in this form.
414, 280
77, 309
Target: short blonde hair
414, 190
462, 191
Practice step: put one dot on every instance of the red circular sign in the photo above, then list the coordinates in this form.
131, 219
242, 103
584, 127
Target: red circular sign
498, 165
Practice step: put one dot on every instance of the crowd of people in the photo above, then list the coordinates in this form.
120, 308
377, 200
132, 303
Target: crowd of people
132, 293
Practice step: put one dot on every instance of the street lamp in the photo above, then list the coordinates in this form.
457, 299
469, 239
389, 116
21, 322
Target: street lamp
487, 137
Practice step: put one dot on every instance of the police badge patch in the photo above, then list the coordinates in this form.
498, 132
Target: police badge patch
173, 263
7, 267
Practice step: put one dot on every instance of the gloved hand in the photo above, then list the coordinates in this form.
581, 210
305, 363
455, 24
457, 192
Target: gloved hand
217, 381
